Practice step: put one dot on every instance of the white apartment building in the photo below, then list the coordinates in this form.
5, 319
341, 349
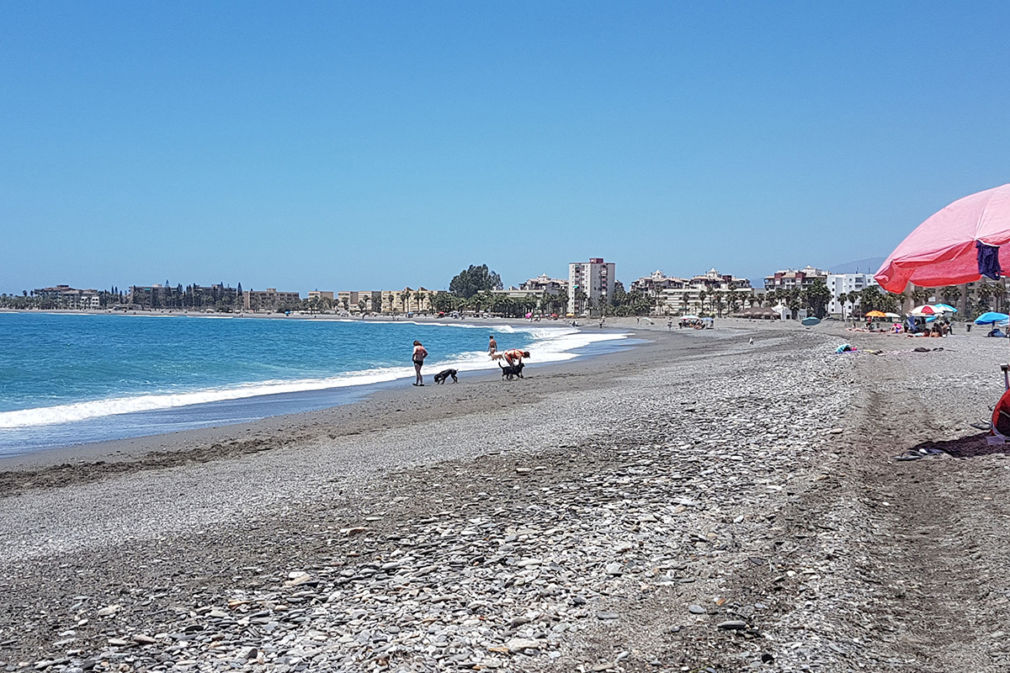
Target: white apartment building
710, 293
66, 297
839, 283
655, 283
789, 279
544, 283
590, 285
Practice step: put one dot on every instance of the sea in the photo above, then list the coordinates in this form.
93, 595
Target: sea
68, 379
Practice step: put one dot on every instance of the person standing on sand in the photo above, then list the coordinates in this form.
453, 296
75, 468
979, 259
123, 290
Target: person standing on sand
419, 355
492, 345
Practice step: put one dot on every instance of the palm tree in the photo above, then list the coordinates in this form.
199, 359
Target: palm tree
984, 292
720, 302
852, 297
580, 301
920, 295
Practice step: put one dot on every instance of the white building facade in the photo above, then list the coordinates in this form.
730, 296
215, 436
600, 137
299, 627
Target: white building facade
790, 279
844, 283
590, 286
544, 283
711, 293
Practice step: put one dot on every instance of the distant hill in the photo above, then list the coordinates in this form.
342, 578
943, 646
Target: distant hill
868, 265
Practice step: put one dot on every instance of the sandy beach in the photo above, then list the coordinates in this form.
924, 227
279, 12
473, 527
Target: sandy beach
697, 502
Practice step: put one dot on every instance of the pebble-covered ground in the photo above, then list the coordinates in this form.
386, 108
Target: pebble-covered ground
705, 504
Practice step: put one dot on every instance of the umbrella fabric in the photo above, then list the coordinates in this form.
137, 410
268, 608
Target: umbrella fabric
892, 315
925, 309
876, 314
941, 250
991, 317
810, 322
945, 308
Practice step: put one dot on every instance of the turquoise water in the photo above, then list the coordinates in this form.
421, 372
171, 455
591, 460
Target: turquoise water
67, 379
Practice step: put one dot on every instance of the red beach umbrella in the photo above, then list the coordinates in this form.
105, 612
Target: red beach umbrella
943, 250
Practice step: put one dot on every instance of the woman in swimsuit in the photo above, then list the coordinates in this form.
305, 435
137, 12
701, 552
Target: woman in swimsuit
419, 355
515, 356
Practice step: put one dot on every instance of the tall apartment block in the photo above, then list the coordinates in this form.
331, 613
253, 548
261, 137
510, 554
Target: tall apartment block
590, 286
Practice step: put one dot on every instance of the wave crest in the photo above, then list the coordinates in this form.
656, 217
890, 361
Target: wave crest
550, 344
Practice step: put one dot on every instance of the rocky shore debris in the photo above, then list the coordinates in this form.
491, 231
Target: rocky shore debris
586, 560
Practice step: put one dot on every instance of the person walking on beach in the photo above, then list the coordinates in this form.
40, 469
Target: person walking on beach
492, 345
419, 355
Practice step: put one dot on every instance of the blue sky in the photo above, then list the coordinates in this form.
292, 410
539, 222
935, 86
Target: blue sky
375, 145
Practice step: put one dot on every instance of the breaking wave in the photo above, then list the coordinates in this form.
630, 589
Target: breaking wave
550, 344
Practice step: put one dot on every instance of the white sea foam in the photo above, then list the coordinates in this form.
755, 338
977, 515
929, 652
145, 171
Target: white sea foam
551, 344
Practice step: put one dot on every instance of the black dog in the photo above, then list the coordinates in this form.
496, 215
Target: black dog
507, 373
444, 374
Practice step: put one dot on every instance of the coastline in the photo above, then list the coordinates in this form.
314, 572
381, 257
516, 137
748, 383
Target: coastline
698, 500
346, 415
139, 414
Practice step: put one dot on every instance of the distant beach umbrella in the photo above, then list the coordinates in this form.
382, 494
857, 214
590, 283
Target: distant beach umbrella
955, 245
945, 308
991, 317
810, 322
925, 309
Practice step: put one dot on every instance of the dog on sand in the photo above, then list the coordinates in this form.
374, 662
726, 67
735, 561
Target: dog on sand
444, 374
511, 371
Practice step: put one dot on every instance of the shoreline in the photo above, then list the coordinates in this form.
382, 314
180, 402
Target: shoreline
235, 405
343, 414
387, 393
386, 407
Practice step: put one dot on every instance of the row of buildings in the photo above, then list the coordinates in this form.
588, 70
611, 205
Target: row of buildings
591, 285
406, 300
64, 296
589, 288
675, 295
